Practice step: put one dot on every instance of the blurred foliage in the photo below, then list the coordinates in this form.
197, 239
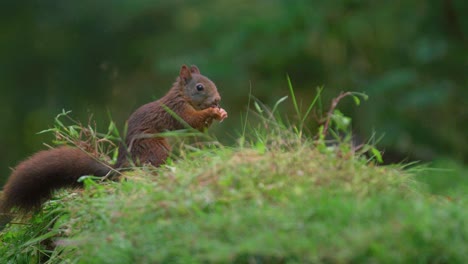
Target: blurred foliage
101, 57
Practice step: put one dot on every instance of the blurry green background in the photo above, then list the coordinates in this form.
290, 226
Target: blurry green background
100, 57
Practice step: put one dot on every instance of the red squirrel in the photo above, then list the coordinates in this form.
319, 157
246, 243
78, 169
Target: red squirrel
193, 98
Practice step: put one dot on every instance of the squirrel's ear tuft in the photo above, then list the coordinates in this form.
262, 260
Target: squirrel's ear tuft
185, 73
194, 69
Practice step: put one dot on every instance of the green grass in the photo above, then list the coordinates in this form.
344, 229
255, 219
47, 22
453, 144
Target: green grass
271, 204
280, 196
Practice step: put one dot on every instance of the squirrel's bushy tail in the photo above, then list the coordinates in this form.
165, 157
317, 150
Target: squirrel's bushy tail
33, 181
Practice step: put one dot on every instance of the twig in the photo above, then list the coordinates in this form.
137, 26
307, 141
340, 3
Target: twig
335, 102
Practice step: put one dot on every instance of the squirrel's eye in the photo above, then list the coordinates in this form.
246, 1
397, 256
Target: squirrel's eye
200, 87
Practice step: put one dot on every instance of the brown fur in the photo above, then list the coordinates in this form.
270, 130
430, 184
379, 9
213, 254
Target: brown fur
142, 145
34, 180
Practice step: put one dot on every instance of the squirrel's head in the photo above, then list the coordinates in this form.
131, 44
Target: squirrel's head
200, 91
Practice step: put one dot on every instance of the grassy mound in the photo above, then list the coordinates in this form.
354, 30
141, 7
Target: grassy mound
277, 198
266, 204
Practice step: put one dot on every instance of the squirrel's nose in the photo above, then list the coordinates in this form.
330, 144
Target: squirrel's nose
216, 101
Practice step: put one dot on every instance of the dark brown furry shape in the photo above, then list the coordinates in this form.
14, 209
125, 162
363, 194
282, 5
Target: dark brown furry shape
193, 97
33, 180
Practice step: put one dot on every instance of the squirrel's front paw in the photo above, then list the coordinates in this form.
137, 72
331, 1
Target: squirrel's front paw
223, 114
220, 113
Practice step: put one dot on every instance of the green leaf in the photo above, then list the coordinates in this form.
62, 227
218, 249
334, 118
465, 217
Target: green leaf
73, 132
293, 96
356, 100
278, 102
377, 155
341, 121
309, 109
261, 148
257, 106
